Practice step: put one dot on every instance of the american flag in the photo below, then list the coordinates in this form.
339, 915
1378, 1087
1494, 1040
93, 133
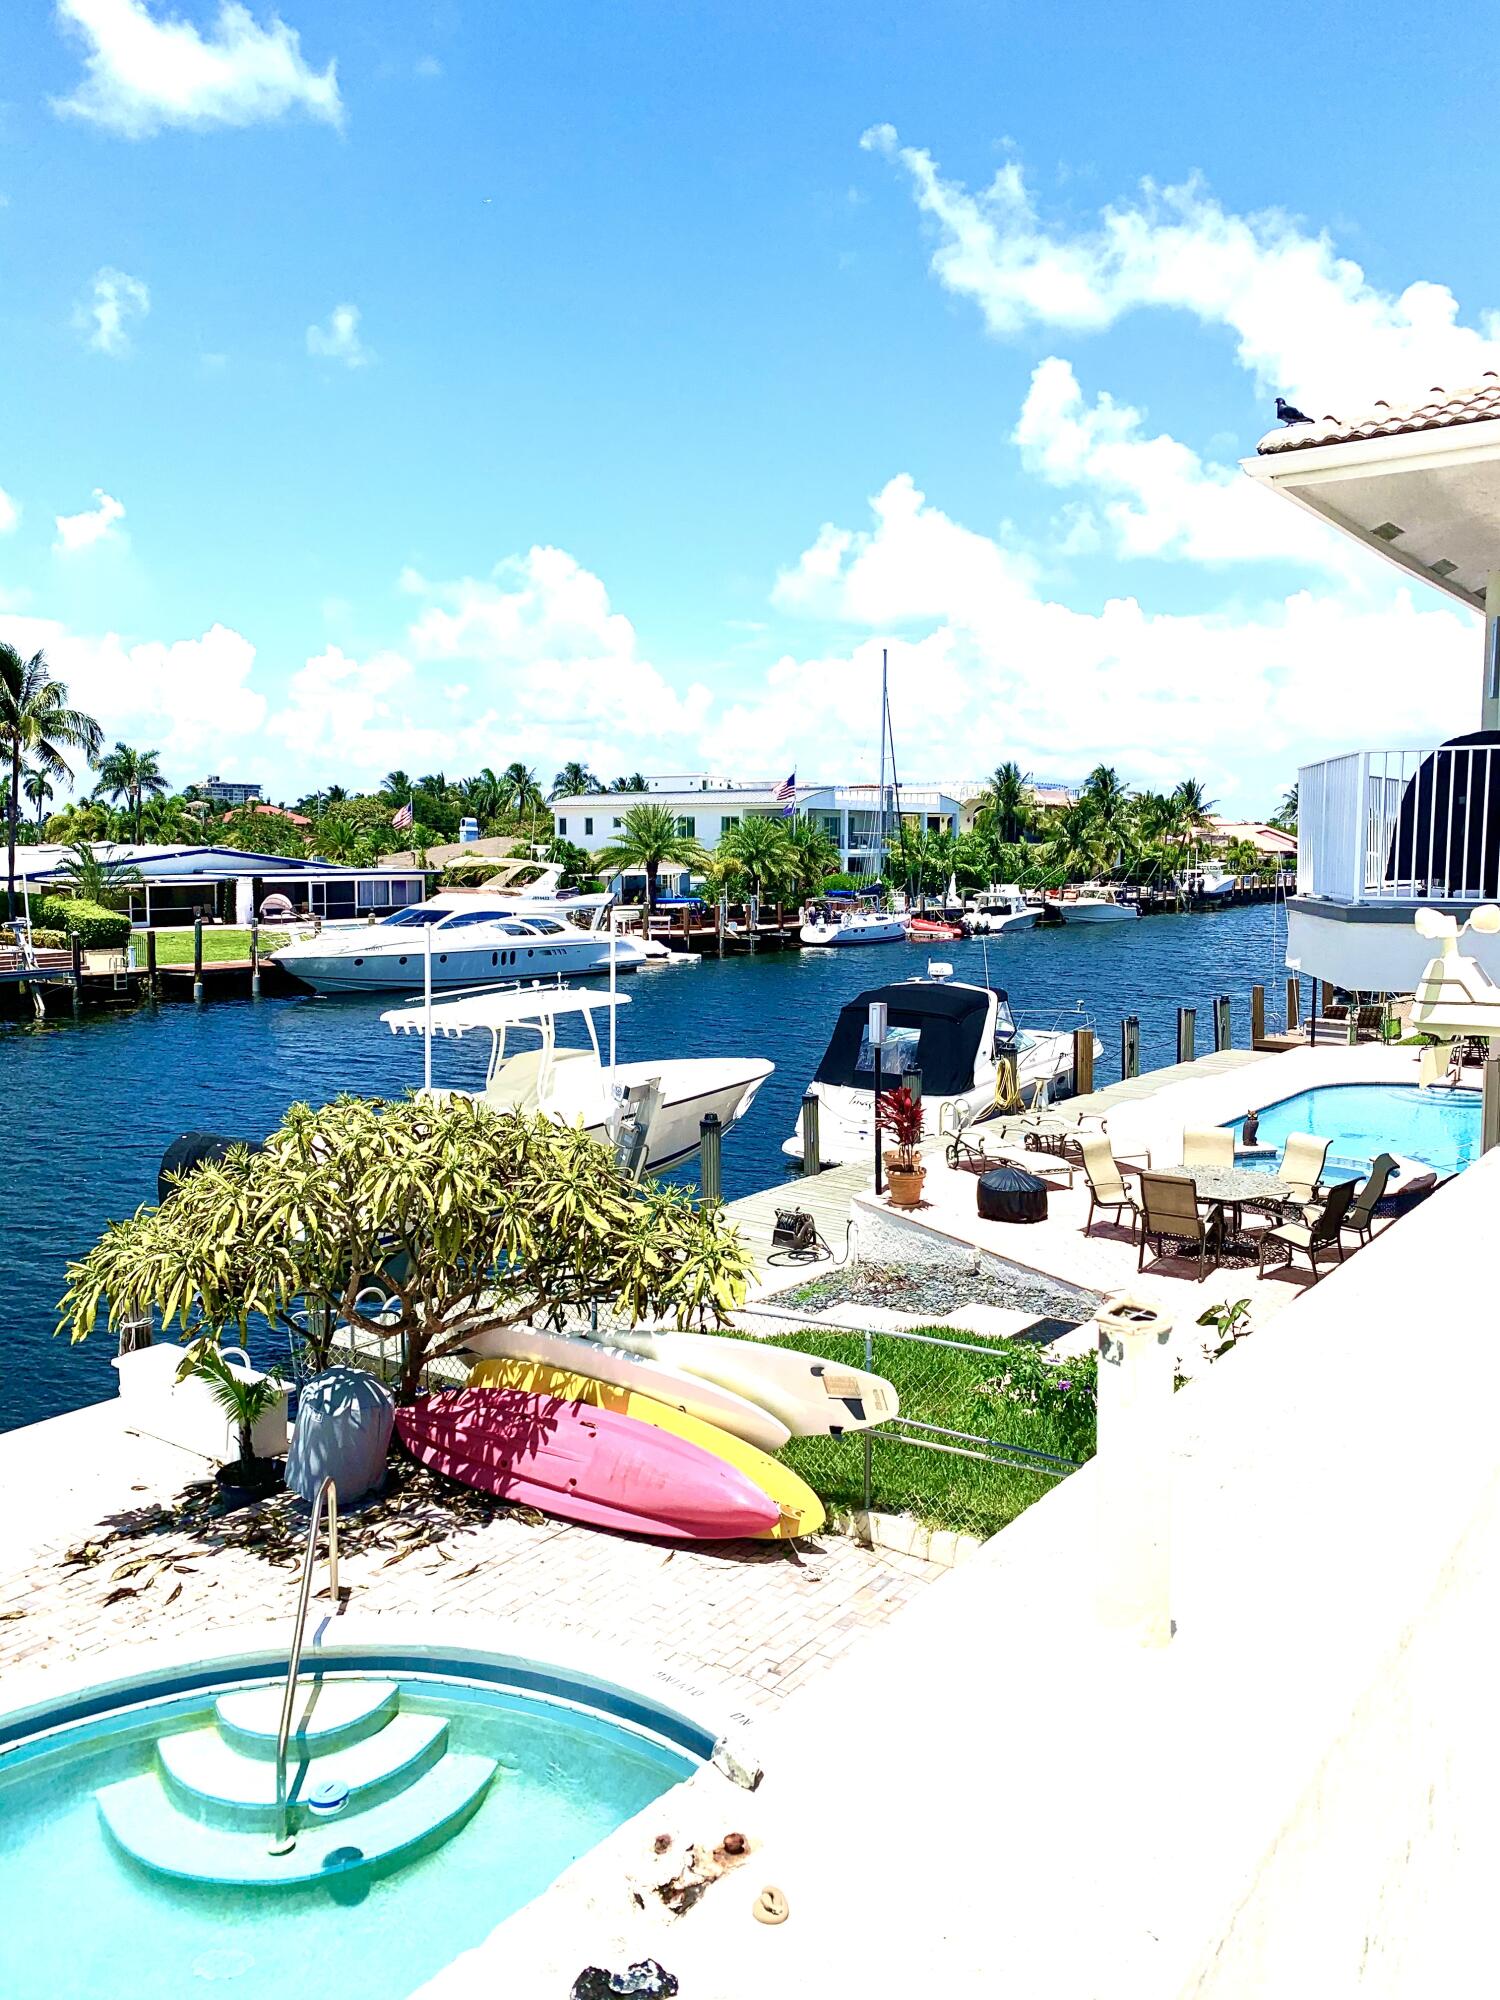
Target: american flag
403, 817
786, 796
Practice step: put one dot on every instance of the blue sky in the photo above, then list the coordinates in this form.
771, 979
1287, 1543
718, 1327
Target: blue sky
473, 382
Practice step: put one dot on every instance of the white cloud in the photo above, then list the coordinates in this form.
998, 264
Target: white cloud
338, 339
96, 524
142, 73
1306, 321
1155, 496
105, 316
10, 513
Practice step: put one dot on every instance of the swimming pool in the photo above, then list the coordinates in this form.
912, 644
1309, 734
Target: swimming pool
473, 1788
1439, 1127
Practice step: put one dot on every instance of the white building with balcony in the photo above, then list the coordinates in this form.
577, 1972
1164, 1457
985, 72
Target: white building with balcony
1383, 831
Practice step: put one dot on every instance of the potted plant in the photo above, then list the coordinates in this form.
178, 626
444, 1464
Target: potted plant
900, 1114
244, 1399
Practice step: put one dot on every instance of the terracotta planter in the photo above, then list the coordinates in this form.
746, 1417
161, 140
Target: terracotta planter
905, 1184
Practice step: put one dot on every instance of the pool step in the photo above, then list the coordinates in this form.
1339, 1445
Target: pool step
215, 1782
328, 1715
145, 1822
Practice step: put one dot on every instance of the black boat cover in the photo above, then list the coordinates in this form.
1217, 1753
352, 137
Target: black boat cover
930, 1027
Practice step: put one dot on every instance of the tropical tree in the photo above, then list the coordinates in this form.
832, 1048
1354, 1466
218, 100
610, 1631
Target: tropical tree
484, 796
36, 726
811, 857
250, 832
339, 837
635, 782
459, 1217
1194, 801
1285, 815
1107, 802
759, 844
131, 775
38, 790
1243, 857
1005, 802
87, 875
396, 788
573, 779
523, 795
649, 838
575, 862
333, 795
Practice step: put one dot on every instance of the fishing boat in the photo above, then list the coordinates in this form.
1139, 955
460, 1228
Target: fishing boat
1091, 905
1212, 884
994, 912
955, 1035
650, 1111
844, 918
471, 937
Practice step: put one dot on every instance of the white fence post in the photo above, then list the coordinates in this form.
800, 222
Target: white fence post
1133, 1543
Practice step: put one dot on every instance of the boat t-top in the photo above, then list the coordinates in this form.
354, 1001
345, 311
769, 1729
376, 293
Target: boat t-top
955, 1035
1001, 909
650, 1111
1091, 905
843, 917
474, 938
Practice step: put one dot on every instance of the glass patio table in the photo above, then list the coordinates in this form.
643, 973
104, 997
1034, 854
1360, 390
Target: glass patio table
1234, 1188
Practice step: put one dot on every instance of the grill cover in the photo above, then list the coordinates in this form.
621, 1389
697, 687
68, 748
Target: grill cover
1010, 1194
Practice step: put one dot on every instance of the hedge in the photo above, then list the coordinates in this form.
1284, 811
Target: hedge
98, 929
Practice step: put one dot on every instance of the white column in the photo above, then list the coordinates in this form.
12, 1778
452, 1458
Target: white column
1489, 708
1133, 1470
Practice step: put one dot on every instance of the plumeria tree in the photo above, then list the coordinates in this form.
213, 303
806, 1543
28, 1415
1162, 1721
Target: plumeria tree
424, 1220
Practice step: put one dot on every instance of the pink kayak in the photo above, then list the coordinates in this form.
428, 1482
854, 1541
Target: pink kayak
586, 1464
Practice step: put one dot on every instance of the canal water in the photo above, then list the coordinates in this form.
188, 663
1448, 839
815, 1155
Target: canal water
91, 1105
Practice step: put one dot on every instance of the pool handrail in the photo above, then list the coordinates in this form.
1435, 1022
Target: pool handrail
285, 1840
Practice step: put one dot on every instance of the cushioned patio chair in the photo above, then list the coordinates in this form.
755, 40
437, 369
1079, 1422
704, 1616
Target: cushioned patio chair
1207, 1146
1361, 1215
1107, 1187
1311, 1238
1169, 1207
1301, 1168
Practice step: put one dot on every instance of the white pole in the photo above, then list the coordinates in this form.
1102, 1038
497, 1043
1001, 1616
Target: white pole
614, 946
880, 818
427, 1007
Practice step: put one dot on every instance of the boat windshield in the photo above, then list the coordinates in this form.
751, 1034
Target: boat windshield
413, 918
465, 917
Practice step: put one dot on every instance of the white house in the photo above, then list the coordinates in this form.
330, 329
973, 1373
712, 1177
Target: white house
1381, 831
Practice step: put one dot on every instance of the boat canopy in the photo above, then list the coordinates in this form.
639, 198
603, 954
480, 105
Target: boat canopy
509, 1009
934, 1028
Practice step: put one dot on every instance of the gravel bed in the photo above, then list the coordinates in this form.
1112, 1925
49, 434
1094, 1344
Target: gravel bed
929, 1289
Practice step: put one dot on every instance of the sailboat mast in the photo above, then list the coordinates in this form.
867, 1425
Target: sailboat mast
884, 726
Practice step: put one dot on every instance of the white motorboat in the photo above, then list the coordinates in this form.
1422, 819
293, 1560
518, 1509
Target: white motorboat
955, 1035
994, 911
841, 918
474, 939
1212, 884
1090, 905
651, 1111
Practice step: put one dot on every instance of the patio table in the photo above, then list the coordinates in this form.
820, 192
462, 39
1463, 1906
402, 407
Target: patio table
1239, 1187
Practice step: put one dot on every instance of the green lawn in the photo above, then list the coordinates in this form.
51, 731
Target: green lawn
953, 1390
175, 947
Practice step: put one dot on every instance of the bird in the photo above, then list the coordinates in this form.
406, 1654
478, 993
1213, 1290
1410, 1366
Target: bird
1289, 413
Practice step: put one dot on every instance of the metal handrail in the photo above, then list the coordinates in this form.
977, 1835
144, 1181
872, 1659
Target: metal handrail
285, 1839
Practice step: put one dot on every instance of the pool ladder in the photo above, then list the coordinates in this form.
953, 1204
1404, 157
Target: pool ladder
284, 1839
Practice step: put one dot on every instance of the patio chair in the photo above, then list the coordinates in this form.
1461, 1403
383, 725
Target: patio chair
1208, 1146
1302, 1168
1107, 1187
1361, 1215
1324, 1233
1169, 1207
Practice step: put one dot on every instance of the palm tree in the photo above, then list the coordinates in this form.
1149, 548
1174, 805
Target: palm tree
759, 844
337, 837
522, 792
334, 795
36, 787
1005, 802
1285, 815
1194, 800
634, 783
810, 856
1107, 802
650, 838
88, 876
131, 775
435, 784
396, 787
36, 723
483, 795
574, 779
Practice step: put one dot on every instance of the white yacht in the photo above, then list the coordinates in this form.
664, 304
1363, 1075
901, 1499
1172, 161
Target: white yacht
652, 1110
954, 1034
1213, 884
474, 939
1004, 909
842, 918
1091, 905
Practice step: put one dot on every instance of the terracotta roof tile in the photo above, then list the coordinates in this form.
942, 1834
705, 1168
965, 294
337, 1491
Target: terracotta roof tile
1440, 410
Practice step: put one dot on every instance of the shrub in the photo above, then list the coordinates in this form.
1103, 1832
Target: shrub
98, 929
49, 940
840, 881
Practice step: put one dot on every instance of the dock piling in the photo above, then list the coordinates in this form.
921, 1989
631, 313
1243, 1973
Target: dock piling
254, 961
1489, 1112
77, 977
1083, 1061
812, 1158
151, 981
1223, 1026
1130, 1047
711, 1158
1257, 1016
197, 958
1187, 1033
1293, 1004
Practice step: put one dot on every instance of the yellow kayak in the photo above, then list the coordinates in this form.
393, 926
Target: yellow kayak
801, 1509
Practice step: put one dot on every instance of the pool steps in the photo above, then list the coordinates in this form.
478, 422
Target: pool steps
207, 1813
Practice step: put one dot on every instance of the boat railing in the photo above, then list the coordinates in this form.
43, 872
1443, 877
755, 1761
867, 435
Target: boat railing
285, 1840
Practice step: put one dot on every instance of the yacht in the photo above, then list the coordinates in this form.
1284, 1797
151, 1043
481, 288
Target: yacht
1004, 909
1212, 884
1091, 905
954, 1034
842, 918
650, 1111
474, 938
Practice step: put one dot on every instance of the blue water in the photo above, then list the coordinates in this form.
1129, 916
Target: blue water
91, 1105
82, 1921
1359, 1120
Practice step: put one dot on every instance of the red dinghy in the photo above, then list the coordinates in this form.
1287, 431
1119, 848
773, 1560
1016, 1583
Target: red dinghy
933, 930
585, 1464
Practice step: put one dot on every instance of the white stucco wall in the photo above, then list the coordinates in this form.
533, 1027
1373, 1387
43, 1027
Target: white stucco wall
1372, 956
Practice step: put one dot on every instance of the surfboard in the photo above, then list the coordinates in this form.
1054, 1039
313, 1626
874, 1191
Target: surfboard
693, 1395
585, 1464
799, 1510
811, 1396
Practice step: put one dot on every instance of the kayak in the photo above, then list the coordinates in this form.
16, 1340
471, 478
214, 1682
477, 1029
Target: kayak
691, 1394
798, 1509
585, 1464
811, 1396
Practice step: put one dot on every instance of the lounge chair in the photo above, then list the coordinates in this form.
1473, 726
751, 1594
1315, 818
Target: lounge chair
1169, 1207
1302, 1168
1107, 1187
1208, 1146
1361, 1215
1323, 1233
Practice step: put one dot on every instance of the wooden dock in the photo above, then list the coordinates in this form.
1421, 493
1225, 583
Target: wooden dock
827, 1198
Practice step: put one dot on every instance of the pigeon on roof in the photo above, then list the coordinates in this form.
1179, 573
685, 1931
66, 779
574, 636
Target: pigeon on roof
1289, 413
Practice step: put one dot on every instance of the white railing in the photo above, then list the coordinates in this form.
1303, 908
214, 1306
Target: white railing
1381, 826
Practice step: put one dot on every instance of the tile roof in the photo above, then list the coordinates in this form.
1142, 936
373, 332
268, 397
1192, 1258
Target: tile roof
1442, 409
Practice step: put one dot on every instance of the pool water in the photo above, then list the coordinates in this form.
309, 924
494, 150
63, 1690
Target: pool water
84, 1921
1440, 1127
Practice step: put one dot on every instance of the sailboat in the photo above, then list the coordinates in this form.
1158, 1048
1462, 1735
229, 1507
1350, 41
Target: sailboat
844, 917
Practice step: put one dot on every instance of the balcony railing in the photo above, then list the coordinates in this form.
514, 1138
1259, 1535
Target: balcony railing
1390, 826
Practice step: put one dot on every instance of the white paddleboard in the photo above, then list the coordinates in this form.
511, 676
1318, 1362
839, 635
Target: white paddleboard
812, 1397
685, 1390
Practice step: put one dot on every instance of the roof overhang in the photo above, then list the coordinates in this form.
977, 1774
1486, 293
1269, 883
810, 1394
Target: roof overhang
1439, 489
